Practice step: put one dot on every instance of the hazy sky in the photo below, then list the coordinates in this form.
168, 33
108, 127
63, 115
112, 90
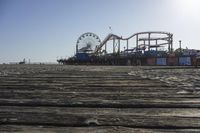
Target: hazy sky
42, 30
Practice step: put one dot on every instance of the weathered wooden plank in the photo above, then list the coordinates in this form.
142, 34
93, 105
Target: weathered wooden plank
72, 77
100, 129
87, 85
115, 95
97, 102
139, 98
133, 89
137, 117
80, 81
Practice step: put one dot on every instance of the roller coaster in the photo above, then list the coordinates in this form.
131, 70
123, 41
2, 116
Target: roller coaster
142, 48
146, 41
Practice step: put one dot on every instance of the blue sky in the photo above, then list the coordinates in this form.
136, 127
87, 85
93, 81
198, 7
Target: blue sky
42, 30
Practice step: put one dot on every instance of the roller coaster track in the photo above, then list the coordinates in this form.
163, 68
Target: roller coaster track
150, 32
113, 36
109, 37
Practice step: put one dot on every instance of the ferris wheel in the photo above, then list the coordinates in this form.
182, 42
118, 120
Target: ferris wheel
87, 42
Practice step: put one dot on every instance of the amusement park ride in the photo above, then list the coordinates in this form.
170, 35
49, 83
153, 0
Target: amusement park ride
143, 48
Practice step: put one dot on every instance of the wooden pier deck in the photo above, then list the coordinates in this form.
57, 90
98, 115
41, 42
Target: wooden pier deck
98, 99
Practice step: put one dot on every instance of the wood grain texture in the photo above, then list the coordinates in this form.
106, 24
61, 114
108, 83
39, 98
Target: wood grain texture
137, 117
98, 99
99, 129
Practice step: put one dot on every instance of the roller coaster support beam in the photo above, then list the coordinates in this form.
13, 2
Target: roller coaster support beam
156, 45
118, 46
149, 43
136, 42
127, 45
113, 45
171, 36
105, 47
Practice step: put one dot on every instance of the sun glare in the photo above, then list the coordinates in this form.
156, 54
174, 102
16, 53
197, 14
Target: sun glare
189, 7
189, 3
